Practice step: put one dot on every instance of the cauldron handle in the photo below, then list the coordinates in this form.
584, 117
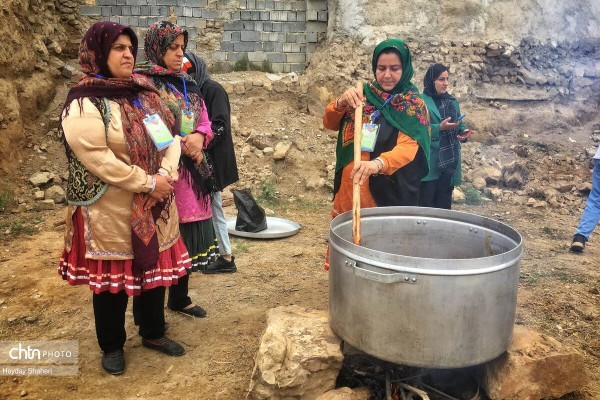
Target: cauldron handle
358, 116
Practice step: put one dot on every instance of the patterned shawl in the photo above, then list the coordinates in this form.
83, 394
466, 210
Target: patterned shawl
98, 83
172, 86
406, 111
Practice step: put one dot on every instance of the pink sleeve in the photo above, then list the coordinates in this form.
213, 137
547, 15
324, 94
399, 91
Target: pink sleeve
204, 126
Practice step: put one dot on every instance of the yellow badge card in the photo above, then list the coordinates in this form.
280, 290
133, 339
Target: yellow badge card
158, 131
369, 137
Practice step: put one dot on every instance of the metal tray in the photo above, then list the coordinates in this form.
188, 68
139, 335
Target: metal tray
276, 228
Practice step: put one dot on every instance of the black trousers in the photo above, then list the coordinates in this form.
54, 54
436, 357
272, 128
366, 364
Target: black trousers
109, 314
178, 298
437, 193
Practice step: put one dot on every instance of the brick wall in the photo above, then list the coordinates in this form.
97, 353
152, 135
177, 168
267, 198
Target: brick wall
281, 33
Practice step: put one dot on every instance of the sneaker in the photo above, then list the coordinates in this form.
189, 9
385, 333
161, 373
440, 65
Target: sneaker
164, 345
114, 362
578, 243
220, 266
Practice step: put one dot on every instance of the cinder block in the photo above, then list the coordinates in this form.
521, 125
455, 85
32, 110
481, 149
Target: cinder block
218, 56
288, 6
257, 56
296, 57
269, 4
251, 4
187, 12
233, 56
136, 10
166, 2
267, 27
255, 15
297, 26
268, 46
278, 47
277, 26
292, 16
226, 46
301, 16
89, 11
226, 36
278, 5
316, 27
311, 37
233, 26
276, 57
260, 4
211, 14
312, 15
234, 15
318, 5
278, 67
243, 46
249, 25
322, 16
196, 12
300, 5
243, 4
265, 16
258, 26
246, 15
236, 36
250, 36
105, 2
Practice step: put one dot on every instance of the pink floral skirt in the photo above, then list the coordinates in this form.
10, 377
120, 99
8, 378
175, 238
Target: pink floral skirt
117, 275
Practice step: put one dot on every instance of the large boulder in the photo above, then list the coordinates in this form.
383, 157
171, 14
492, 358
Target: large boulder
534, 367
299, 356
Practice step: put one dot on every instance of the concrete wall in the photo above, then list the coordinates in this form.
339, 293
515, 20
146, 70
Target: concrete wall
467, 20
280, 34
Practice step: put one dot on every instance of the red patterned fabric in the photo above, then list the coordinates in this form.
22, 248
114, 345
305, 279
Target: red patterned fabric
116, 275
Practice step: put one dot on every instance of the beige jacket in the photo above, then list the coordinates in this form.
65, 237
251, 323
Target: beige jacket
107, 228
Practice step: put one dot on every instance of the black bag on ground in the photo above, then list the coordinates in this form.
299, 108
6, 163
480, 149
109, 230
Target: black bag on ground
250, 217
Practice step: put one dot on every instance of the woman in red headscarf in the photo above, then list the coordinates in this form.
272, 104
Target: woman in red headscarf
122, 235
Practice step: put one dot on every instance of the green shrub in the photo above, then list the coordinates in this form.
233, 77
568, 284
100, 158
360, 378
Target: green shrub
6, 197
472, 196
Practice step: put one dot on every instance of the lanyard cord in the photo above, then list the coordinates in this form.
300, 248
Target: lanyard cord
185, 95
136, 102
378, 111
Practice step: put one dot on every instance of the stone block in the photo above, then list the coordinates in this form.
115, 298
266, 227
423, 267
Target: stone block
235, 56
297, 26
277, 26
226, 46
105, 11
46, 205
260, 4
345, 393
265, 16
301, 16
166, 2
251, 4
299, 356
278, 16
255, 15
535, 366
296, 67
292, 16
322, 16
246, 15
278, 5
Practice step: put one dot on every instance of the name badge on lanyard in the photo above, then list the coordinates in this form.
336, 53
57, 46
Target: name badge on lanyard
156, 128
187, 116
371, 130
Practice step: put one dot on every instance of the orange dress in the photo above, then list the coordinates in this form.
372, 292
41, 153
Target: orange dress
403, 153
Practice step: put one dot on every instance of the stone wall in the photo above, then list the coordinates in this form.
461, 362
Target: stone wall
279, 35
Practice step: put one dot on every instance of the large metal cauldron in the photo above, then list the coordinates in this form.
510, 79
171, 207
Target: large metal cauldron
427, 287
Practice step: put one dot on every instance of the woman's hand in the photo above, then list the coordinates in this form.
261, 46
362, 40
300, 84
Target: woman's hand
446, 125
350, 98
162, 190
193, 145
364, 169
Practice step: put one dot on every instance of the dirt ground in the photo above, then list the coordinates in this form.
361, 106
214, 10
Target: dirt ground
559, 292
